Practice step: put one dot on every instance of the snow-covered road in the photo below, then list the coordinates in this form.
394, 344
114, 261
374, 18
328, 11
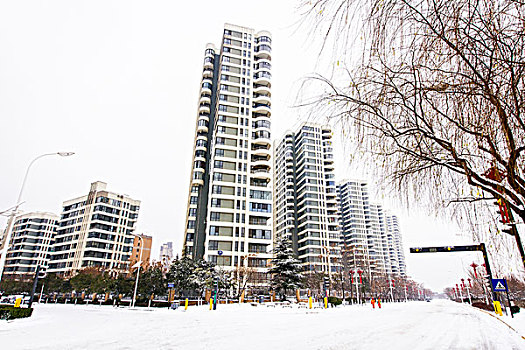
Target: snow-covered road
414, 325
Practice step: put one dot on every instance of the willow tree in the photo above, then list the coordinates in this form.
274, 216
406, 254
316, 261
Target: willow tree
437, 98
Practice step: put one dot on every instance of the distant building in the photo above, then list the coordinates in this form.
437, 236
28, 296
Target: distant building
31, 244
141, 242
166, 253
306, 210
370, 236
95, 230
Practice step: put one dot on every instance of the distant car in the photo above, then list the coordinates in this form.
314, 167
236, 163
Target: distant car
428, 300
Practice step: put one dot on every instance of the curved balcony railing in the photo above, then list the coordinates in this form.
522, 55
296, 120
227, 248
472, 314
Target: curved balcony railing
263, 47
204, 107
263, 64
261, 109
262, 89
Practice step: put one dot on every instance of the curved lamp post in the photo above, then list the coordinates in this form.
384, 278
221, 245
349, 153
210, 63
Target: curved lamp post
14, 212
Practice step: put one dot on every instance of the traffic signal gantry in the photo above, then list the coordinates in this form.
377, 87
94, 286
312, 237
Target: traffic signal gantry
460, 248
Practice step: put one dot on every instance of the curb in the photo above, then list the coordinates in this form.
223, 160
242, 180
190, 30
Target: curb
499, 319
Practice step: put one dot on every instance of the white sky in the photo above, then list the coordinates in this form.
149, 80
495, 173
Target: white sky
117, 82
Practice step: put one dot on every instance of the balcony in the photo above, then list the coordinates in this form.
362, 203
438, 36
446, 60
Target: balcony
262, 124
208, 63
262, 78
263, 51
261, 99
262, 151
262, 163
204, 108
261, 89
261, 174
205, 99
263, 64
207, 73
202, 128
261, 109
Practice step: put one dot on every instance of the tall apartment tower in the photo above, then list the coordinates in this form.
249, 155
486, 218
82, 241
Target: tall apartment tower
370, 236
230, 195
395, 244
95, 230
306, 210
31, 244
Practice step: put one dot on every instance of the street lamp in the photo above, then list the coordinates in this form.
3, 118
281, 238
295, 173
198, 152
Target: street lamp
14, 212
139, 263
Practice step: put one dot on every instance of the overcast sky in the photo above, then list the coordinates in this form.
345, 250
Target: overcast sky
117, 82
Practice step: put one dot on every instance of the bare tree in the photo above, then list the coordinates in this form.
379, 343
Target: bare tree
244, 276
437, 100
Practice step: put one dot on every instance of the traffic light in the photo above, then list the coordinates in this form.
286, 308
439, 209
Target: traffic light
326, 283
216, 282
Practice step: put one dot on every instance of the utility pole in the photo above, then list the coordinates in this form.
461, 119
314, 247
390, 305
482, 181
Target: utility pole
343, 285
35, 282
216, 285
138, 269
357, 285
460, 294
468, 291
391, 284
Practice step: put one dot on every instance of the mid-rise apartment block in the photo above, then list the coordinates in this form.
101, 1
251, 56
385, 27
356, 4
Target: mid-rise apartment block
230, 196
141, 248
31, 244
370, 236
95, 230
306, 210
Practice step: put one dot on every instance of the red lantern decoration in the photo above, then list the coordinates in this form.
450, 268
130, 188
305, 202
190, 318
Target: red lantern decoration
359, 272
352, 275
474, 265
469, 284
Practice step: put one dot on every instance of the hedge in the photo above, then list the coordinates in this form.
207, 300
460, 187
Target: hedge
335, 301
11, 312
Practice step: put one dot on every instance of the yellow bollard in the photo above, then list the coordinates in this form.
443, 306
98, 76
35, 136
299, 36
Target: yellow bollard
325, 302
211, 303
310, 302
497, 308
18, 301
186, 304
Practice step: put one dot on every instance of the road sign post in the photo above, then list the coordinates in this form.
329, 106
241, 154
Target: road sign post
500, 285
216, 283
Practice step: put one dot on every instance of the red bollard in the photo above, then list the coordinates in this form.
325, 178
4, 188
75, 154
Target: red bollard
379, 302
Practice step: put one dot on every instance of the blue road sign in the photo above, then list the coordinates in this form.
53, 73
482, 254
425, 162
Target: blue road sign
171, 285
219, 252
499, 285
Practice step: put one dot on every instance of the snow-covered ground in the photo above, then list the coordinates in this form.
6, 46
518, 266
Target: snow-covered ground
413, 325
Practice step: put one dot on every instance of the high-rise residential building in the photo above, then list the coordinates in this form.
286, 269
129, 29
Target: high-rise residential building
31, 244
370, 236
395, 244
141, 248
95, 230
306, 210
230, 196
